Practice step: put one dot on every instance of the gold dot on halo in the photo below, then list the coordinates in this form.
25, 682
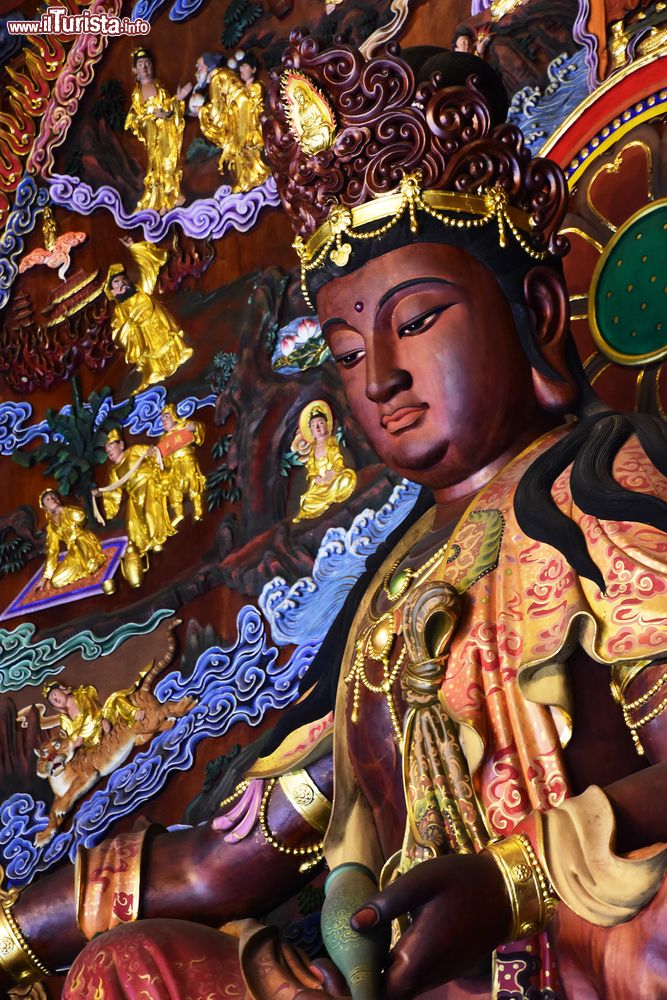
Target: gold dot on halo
658, 326
616, 319
633, 333
653, 277
644, 306
619, 262
630, 288
644, 259
609, 294
638, 236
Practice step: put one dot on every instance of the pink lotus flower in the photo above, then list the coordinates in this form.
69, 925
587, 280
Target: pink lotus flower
306, 329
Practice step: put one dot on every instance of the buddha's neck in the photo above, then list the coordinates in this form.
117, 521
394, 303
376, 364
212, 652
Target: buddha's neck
448, 499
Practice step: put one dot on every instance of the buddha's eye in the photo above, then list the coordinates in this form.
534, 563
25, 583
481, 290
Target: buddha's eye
421, 323
350, 358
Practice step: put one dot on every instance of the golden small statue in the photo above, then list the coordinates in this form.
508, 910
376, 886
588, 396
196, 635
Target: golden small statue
83, 551
231, 120
310, 117
184, 477
329, 479
147, 333
157, 120
136, 471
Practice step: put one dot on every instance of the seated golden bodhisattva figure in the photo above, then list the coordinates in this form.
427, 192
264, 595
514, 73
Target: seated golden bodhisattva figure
329, 479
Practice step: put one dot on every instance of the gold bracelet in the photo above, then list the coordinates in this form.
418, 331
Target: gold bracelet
17, 958
530, 892
314, 852
303, 794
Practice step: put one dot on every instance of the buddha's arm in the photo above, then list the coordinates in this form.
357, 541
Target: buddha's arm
52, 548
134, 121
112, 500
149, 260
189, 874
640, 808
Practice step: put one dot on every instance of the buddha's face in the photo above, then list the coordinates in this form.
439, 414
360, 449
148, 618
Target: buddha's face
58, 698
114, 450
432, 366
50, 502
246, 72
318, 428
119, 285
201, 71
144, 69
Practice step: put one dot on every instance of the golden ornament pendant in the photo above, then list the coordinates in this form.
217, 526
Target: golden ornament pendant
341, 254
381, 638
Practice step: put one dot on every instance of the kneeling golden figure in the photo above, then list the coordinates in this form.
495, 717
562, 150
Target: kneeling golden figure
83, 551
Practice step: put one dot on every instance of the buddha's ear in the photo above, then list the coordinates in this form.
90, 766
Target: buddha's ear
548, 308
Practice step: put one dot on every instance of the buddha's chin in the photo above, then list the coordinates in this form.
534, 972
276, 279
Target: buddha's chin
418, 461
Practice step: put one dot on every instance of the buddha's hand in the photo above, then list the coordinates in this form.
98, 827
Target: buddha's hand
332, 982
459, 912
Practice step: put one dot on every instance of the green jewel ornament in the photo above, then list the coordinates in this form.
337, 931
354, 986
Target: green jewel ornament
628, 295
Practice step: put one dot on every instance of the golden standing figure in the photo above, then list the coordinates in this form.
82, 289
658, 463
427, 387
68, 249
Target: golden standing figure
83, 551
135, 471
231, 120
329, 480
157, 120
147, 333
184, 477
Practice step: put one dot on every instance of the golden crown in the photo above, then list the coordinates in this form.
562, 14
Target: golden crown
450, 208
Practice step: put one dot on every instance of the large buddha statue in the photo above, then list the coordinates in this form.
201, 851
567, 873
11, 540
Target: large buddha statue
497, 677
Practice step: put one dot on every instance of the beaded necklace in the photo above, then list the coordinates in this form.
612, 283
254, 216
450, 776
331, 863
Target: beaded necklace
376, 641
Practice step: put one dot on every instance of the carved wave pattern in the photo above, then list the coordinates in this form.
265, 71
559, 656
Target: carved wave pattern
206, 218
306, 610
23, 661
181, 10
29, 201
539, 112
144, 418
237, 683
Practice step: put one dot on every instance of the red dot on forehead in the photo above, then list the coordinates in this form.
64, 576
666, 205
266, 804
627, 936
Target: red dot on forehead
359, 306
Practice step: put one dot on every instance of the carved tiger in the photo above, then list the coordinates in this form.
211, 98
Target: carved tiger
71, 771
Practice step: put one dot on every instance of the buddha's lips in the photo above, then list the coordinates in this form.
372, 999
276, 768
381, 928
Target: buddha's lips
403, 417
